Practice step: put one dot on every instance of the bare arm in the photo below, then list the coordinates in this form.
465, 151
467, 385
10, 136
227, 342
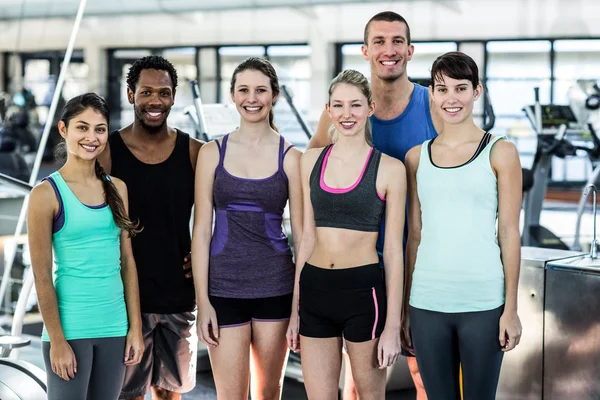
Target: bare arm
393, 258
306, 244
291, 166
414, 234
505, 162
394, 175
43, 206
321, 137
129, 277
208, 159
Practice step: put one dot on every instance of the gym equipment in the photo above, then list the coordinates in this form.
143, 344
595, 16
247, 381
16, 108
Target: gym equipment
16, 139
522, 372
289, 97
571, 339
585, 102
210, 121
551, 123
18, 379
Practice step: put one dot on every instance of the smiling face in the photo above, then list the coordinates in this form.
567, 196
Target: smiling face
153, 99
85, 134
349, 109
253, 95
387, 49
454, 98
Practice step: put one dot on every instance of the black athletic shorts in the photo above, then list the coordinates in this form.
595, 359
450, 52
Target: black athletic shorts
349, 302
236, 312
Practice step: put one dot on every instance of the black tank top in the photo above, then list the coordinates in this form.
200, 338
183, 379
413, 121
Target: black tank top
358, 207
161, 197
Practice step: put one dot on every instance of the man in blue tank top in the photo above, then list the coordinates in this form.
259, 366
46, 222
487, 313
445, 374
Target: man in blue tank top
402, 119
157, 162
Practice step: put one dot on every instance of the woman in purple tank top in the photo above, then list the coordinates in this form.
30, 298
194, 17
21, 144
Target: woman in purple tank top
243, 270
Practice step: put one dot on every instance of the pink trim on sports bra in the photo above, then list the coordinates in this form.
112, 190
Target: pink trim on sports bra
326, 188
329, 189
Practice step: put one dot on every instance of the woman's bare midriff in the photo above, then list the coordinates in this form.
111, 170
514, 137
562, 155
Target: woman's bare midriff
337, 248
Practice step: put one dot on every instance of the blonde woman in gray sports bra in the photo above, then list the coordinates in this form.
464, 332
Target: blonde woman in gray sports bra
340, 287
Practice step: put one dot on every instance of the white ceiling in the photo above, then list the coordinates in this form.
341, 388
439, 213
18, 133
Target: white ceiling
17, 9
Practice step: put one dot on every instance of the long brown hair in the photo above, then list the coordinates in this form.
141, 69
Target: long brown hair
73, 108
266, 68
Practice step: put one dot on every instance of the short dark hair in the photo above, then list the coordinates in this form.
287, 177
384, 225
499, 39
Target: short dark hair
150, 62
456, 65
387, 16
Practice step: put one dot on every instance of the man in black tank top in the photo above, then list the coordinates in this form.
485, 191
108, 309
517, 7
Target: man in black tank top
157, 163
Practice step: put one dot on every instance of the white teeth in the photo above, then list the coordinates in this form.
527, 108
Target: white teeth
252, 108
155, 114
389, 62
453, 110
88, 147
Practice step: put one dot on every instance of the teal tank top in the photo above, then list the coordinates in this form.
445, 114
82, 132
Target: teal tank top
87, 273
458, 266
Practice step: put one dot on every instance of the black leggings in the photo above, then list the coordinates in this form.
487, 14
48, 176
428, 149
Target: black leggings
100, 370
445, 341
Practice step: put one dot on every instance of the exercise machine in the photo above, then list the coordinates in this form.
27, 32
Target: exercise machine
551, 123
19, 379
585, 102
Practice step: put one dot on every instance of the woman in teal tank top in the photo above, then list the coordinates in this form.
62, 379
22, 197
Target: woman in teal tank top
463, 271
89, 301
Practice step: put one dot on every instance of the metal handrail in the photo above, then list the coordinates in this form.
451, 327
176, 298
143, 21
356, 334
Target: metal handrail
288, 97
18, 184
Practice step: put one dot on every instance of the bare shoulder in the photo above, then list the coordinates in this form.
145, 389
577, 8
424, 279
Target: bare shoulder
310, 156
209, 148
209, 154
392, 165
503, 149
119, 184
196, 144
292, 151
413, 156
43, 197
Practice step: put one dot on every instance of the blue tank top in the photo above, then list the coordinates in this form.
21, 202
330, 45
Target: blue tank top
249, 253
395, 137
87, 277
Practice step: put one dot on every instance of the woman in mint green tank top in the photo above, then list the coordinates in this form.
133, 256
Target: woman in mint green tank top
77, 219
463, 249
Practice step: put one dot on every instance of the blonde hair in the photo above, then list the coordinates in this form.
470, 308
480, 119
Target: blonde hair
358, 80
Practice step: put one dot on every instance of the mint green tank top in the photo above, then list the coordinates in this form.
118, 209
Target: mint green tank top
458, 266
87, 273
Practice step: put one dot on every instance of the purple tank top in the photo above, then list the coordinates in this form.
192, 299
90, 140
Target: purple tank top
249, 253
